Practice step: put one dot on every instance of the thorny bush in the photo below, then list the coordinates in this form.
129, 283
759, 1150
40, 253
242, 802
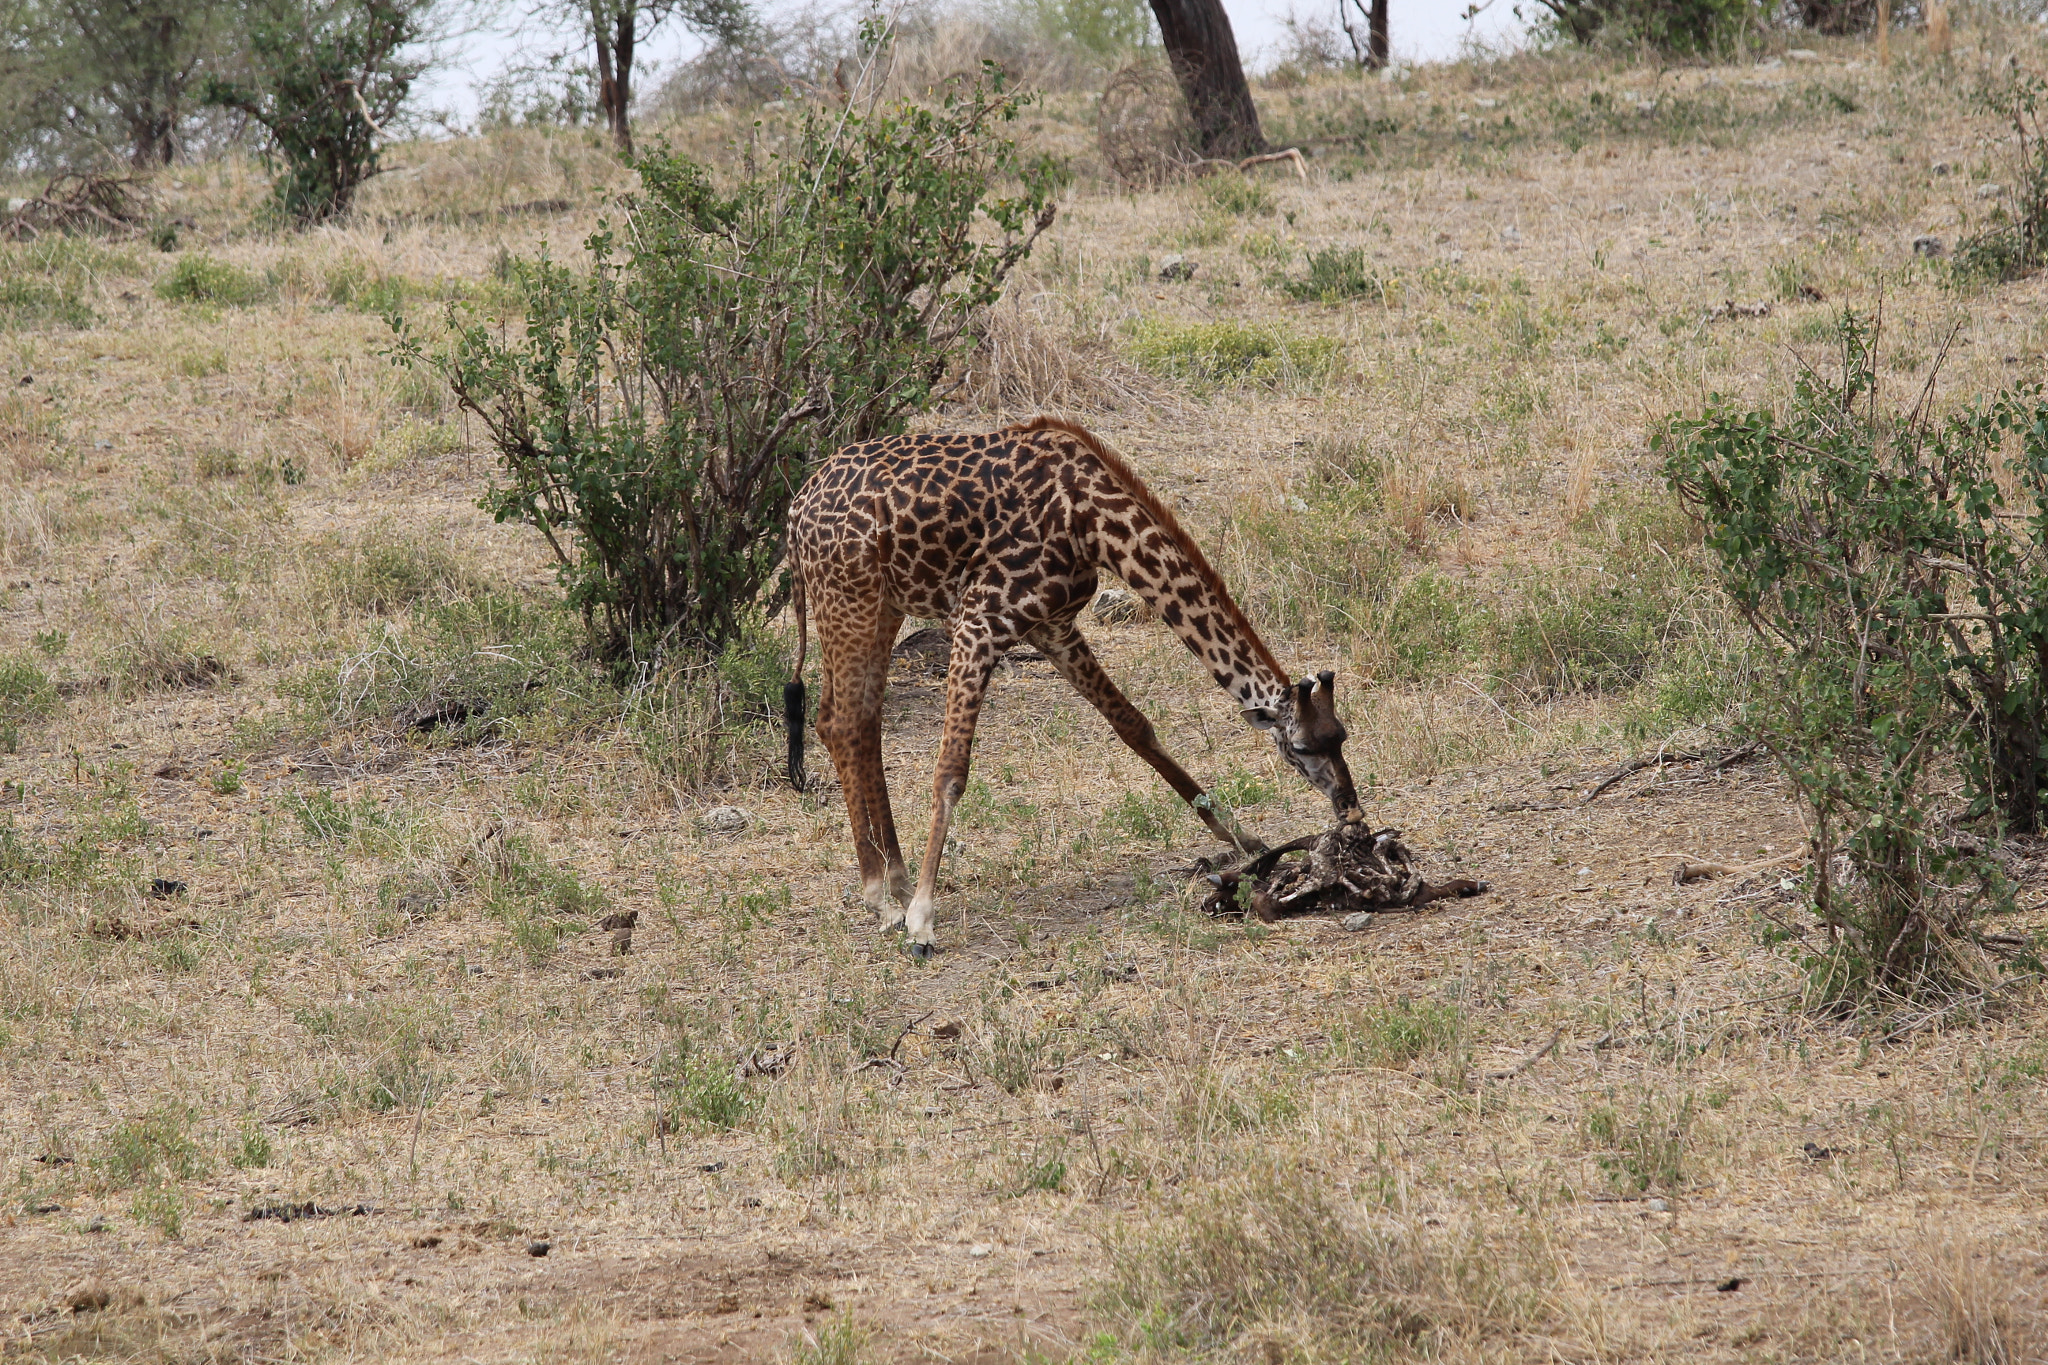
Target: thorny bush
1895, 566
655, 415
2014, 239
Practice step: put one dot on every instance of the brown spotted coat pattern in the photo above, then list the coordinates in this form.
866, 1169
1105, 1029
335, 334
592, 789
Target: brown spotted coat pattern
1002, 535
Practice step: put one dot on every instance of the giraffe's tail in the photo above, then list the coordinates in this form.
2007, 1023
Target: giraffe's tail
793, 690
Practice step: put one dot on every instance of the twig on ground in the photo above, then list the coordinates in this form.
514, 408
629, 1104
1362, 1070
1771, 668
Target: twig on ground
1538, 1055
1636, 765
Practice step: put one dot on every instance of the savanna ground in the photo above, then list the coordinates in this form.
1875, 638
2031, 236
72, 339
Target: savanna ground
314, 816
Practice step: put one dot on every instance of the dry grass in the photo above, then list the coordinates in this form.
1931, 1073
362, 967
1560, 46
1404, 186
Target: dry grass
277, 941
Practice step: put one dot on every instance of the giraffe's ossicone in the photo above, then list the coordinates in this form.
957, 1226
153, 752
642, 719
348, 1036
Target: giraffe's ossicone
1002, 535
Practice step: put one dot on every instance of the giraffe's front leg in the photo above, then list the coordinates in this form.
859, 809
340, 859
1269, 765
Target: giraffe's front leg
974, 657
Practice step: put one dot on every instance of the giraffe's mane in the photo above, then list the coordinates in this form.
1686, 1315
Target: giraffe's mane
1134, 486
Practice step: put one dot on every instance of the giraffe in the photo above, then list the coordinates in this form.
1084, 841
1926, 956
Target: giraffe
1001, 535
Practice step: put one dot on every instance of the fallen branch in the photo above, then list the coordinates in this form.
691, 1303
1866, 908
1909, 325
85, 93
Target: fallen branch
1636, 765
1292, 154
1538, 1055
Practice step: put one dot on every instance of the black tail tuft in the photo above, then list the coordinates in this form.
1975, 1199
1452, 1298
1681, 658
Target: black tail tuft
793, 719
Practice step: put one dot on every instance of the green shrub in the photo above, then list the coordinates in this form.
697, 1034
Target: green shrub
1677, 27
158, 1145
700, 1094
1902, 619
321, 77
1211, 353
658, 410
199, 278
1334, 275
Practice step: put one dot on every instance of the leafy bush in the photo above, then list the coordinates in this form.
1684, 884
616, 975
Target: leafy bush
1211, 353
199, 278
2015, 240
1336, 274
1903, 614
657, 413
323, 77
1677, 27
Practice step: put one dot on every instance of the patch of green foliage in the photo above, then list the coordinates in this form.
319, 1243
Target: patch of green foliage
1334, 275
199, 278
1893, 566
27, 694
1214, 353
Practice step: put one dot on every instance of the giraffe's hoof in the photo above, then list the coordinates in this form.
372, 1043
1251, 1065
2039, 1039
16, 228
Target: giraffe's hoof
922, 951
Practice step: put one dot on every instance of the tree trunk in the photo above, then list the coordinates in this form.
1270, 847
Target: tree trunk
152, 138
1203, 51
614, 34
1380, 52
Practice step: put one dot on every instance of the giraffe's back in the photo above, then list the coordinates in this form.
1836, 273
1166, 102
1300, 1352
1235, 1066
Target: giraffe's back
996, 522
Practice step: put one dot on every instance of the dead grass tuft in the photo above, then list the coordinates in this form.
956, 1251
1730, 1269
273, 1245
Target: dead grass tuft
1023, 367
1274, 1254
1978, 1318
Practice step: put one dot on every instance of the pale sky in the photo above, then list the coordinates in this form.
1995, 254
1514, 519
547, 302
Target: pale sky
1421, 31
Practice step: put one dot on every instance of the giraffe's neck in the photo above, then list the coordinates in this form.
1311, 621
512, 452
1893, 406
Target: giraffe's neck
1145, 546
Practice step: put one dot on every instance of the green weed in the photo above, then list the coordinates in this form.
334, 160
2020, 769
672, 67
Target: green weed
1213, 353
199, 278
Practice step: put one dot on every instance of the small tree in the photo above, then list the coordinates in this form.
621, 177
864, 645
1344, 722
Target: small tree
324, 78
1904, 608
1685, 27
655, 415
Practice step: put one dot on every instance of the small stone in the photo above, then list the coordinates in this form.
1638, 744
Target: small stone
1803, 54
539, 1248
1930, 246
1941, 168
981, 1250
1646, 106
725, 820
1511, 237
1487, 104
1362, 920
1176, 269
1770, 63
1990, 189
1656, 1206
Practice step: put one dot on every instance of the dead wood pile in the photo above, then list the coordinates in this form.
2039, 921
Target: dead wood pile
78, 202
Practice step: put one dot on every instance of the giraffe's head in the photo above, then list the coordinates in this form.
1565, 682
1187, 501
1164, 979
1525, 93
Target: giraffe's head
1304, 725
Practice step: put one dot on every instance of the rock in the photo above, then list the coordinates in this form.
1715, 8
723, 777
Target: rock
1803, 54
1362, 920
1176, 269
981, 1250
1646, 106
1486, 103
725, 820
1511, 237
604, 973
1989, 190
539, 1248
1941, 168
1656, 1205
1117, 606
1770, 63
1930, 246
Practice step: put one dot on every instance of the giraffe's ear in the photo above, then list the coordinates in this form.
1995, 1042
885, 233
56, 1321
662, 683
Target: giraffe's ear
1262, 717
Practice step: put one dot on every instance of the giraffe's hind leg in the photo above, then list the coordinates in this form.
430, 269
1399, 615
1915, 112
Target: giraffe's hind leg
854, 638
1063, 644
